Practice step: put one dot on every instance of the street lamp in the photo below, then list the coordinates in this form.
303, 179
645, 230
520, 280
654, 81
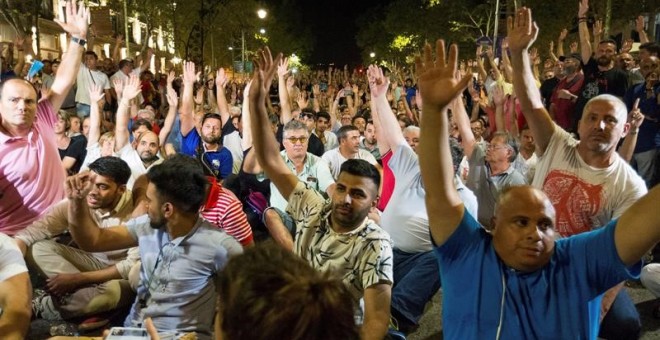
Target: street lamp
372, 55
262, 31
261, 13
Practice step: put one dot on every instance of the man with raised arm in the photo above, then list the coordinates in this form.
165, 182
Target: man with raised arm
181, 252
333, 234
33, 176
586, 181
516, 282
416, 277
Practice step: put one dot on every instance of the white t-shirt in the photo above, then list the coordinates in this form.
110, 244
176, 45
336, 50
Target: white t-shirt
526, 167
584, 197
232, 142
132, 158
84, 80
335, 159
11, 259
406, 218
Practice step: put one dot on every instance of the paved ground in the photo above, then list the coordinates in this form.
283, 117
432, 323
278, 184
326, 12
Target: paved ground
431, 326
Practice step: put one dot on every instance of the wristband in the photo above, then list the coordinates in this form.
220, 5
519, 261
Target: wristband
81, 42
633, 132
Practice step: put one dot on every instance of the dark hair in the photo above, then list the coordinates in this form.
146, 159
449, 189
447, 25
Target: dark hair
180, 180
212, 116
510, 141
92, 53
124, 62
525, 127
343, 131
607, 41
112, 167
141, 122
362, 168
274, 119
323, 114
456, 153
356, 117
652, 47
405, 119
270, 293
308, 112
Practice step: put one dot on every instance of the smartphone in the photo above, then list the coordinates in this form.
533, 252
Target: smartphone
127, 333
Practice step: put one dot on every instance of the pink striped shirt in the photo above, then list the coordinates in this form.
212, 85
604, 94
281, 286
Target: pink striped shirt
31, 173
225, 211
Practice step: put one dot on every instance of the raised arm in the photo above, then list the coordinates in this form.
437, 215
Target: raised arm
560, 42
438, 88
522, 34
506, 63
583, 30
266, 147
468, 142
390, 129
186, 110
285, 103
635, 118
76, 26
597, 30
81, 225
116, 52
220, 84
638, 229
131, 90
639, 26
480, 63
95, 96
172, 101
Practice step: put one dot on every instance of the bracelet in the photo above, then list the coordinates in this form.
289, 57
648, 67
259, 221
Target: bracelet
633, 132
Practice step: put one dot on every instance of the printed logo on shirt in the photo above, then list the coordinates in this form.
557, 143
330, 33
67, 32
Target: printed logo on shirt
575, 202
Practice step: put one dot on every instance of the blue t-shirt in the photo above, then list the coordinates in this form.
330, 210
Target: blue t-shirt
559, 301
649, 106
216, 163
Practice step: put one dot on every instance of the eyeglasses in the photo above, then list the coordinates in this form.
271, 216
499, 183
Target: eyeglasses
294, 140
497, 147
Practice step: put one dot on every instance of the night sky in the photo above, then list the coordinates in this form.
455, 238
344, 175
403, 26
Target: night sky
333, 25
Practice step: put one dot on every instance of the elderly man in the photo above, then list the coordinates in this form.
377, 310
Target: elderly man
32, 171
516, 282
586, 181
181, 252
308, 168
333, 234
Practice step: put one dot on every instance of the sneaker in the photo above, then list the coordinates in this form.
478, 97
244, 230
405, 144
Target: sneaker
92, 323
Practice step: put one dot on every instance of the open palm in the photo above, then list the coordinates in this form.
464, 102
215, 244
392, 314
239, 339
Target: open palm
436, 81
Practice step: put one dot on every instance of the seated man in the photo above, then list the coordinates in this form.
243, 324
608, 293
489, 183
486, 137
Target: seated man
307, 167
416, 275
331, 234
349, 148
517, 282
181, 252
82, 283
15, 291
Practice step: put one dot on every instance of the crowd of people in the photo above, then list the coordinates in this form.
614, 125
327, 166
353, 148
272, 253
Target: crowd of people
334, 203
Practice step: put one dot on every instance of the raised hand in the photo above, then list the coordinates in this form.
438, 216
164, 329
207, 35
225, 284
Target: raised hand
95, 93
77, 187
563, 34
118, 85
283, 68
76, 20
316, 90
522, 30
263, 75
573, 47
639, 24
598, 28
436, 81
172, 98
635, 116
119, 40
170, 79
302, 102
378, 83
583, 8
131, 88
498, 95
627, 46
221, 78
190, 76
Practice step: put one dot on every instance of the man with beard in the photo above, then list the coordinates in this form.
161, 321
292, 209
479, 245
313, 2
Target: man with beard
644, 157
586, 181
600, 75
565, 95
147, 143
81, 283
349, 148
203, 141
626, 62
333, 234
369, 141
181, 252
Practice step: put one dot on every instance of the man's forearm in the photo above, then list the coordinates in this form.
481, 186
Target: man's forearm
100, 276
82, 227
15, 298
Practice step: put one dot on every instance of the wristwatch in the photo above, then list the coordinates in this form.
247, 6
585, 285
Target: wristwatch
81, 42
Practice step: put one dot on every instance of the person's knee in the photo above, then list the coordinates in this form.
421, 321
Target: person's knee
39, 251
272, 218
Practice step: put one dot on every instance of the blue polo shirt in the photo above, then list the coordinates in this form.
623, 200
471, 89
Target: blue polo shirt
559, 301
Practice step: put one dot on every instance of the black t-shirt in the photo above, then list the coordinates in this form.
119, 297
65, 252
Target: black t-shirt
77, 150
315, 146
547, 87
613, 81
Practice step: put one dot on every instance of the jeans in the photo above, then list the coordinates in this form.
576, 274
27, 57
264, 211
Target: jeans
622, 320
416, 280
